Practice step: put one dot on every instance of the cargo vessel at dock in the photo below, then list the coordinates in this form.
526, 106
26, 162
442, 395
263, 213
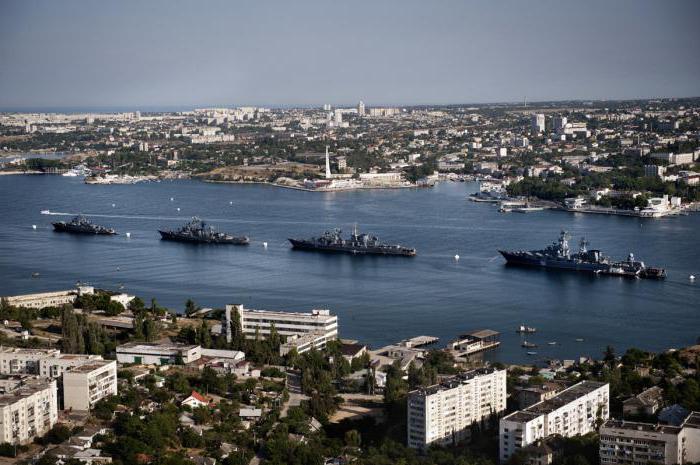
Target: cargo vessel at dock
558, 256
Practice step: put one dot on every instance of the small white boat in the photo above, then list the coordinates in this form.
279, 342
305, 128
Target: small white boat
553, 343
532, 353
525, 329
45, 212
579, 339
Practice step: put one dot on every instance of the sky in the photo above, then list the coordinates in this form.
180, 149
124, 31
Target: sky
170, 53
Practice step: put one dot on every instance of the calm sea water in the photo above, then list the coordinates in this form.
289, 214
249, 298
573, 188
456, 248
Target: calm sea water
378, 300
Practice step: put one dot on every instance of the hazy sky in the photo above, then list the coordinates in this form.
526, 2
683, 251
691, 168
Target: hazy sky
90, 53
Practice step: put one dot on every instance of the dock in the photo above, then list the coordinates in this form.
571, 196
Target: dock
419, 341
476, 341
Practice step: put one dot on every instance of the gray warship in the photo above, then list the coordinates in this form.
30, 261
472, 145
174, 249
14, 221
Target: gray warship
199, 232
558, 256
357, 244
81, 225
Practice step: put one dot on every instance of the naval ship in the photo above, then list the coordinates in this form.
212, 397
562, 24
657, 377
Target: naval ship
558, 256
198, 232
359, 244
81, 225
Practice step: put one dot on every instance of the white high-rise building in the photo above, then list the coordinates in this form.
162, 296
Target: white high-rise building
361, 108
338, 116
572, 412
28, 408
444, 413
631, 443
537, 122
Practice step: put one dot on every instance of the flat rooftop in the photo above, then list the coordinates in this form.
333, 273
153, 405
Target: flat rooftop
643, 427
313, 314
91, 366
150, 347
564, 397
453, 381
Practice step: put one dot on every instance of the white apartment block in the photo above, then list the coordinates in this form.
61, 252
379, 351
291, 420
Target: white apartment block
27, 410
572, 412
85, 378
86, 384
443, 413
286, 323
55, 366
632, 443
157, 353
15, 361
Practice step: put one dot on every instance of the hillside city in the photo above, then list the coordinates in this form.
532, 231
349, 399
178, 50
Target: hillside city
92, 376
633, 158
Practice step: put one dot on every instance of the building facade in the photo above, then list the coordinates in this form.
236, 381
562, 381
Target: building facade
572, 412
286, 323
444, 413
631, 443
28, 410
85, 385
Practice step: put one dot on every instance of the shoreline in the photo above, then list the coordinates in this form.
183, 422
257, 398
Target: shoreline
305, 189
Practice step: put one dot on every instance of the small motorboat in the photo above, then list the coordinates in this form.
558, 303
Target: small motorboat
528, 345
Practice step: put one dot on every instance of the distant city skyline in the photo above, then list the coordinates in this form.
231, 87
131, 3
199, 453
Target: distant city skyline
86, 55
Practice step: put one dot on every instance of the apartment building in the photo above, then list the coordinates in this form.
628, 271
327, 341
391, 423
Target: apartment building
444, 413
23, 361
29, 408
631, 443
157, 353
286, 323
84, 379
85, 385
572, 412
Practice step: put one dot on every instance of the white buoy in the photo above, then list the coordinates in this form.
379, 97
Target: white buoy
171, 199
128, 235
265, 244
178, 208
114, 205
33, 226
456, 257
691, 277
230, 203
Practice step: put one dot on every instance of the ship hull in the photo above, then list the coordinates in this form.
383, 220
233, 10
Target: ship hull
386, 251
171, 236
63, 227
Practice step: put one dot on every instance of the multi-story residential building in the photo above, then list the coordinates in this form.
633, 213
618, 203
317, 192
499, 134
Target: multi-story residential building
84, 379
86, 384
23, 361
572, 412
28, 409
286, 323
158, 354
444, 413
55, 366
632, 443
48, 299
